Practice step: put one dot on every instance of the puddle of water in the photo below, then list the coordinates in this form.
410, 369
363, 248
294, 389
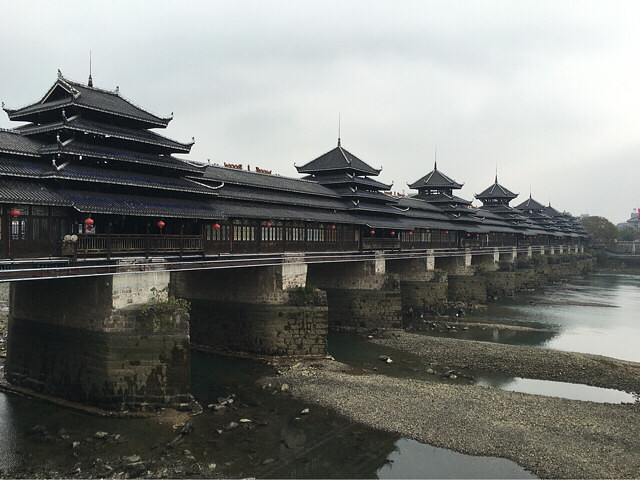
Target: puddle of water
412, 459
571, 391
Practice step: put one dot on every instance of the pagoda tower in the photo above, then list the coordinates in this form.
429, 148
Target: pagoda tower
496, 196
350, 177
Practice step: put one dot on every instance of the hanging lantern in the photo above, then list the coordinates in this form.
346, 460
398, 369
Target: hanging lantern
372, 232
216, 226
14, 212
410, 233
468, 234
427, 230
268, 224
88, 222
410, 309
446, 231
393, 233
160, 224
333, 227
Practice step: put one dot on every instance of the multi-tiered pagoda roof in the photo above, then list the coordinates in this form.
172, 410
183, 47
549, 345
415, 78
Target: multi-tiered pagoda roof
95, 151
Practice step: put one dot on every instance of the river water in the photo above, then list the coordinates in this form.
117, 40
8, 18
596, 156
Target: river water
593, 315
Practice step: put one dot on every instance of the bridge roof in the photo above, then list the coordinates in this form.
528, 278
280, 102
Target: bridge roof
12, 142
32, 193
119, 204
338, 159
84, 96
435, 180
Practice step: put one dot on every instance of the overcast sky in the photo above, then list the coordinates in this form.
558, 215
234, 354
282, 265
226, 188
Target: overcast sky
549, 92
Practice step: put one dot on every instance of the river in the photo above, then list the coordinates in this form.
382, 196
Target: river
593, 315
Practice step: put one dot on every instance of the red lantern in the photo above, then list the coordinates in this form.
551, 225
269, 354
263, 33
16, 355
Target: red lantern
88, 222
446, 231
216, 226
410, 309
468, 234
160, 224
14, 213
268, 224
427, 230
372, 232
333, 227
410, 233
393, 233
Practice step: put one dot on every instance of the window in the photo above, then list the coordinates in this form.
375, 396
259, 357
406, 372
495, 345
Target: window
18, 229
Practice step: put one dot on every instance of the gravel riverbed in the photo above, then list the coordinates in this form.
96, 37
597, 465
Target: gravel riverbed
519, 361
552, 437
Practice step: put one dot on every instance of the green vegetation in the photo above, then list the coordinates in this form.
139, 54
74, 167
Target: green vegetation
628, 235
158, 316
603, 233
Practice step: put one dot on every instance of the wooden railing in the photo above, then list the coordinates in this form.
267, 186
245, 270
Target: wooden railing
380, 243
104, 244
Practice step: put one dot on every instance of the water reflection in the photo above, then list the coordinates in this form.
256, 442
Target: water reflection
597, 315
416, 460
572, 391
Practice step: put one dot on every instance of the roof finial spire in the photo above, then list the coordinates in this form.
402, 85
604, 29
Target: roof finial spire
529, 191
496, 181
90, 82
435, 158
338, 128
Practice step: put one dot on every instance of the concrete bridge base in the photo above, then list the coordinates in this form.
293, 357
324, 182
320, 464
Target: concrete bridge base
422, 288
257, 310
360, 295
84, 340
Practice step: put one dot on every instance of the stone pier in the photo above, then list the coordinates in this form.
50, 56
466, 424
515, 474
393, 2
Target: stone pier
360, 295
421, 286
256, 310
85, 339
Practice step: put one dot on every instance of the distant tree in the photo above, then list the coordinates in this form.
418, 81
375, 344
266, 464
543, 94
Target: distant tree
628, 234
602, 231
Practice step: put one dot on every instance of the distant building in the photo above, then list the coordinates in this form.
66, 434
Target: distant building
634, 221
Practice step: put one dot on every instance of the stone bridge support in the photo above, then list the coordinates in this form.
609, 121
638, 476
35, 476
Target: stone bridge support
360, 295
489, 261
83, 339
456, 265
257, 310
527, 253
423, 289
509, 256
552, 250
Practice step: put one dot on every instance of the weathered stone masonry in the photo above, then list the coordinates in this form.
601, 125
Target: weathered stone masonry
258, 310
81, 339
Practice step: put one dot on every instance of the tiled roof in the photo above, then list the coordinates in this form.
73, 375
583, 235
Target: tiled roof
530, 204
236, 192
129, 156
434, 180
14, 143
111, 203
345, 179
496, 191
262, 180
91, 98
14, 191
117, 177
247, 209
338, 159
87, 126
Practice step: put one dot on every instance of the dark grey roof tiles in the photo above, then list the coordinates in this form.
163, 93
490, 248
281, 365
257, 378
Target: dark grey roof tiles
337, 159
435, 180
262, 180
14, 143
91, 98
96, 151
111, 203
530, 204
16, 191
496, 191
106, 131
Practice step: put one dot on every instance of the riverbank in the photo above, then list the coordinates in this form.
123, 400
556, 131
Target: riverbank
552, 437
518, 361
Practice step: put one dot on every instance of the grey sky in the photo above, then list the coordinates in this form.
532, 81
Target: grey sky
548, 91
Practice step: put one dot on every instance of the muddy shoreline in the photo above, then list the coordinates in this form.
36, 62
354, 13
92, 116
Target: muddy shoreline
552, 437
